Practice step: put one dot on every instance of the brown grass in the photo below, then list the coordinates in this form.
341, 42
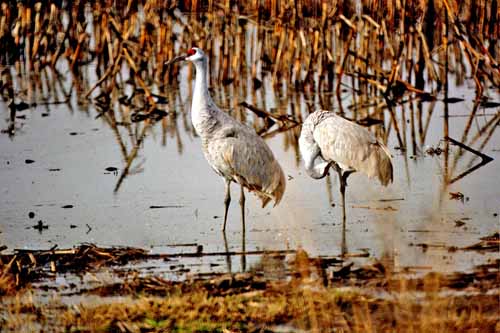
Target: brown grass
306, 308
313, 298
300, 304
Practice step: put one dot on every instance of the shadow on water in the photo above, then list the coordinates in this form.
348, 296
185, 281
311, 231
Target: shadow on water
429, 92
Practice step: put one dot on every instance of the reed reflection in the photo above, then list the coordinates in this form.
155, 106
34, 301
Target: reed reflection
387, 69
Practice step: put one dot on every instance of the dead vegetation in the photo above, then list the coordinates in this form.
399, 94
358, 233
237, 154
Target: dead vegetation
304, 308
322, 294
380, 61
313, 294
25, 266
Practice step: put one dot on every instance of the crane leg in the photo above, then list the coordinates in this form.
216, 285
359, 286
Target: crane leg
342, 189
343, 245
242, 204
343, 185
228, 256
342, 193
227, 201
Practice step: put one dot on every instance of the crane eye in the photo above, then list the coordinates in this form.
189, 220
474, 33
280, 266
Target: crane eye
191, 52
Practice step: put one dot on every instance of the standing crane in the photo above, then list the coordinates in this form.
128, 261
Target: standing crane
328, 140
233, 150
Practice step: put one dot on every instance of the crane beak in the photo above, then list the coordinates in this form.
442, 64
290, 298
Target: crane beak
325, 172
176, 59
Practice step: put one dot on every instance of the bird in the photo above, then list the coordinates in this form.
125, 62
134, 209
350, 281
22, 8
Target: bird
329, 140
233, 149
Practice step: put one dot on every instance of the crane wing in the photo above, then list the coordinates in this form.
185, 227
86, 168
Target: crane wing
238, 153
353, 147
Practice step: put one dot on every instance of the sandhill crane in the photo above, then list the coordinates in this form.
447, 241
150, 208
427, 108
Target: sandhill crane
328, 140
233, 150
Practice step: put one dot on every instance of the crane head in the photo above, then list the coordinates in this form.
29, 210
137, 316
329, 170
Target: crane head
193, 54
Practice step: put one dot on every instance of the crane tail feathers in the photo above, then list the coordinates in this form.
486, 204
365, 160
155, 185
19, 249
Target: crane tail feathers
386, 172
280, 188
273, 191
265, 200
276, 194
377, 165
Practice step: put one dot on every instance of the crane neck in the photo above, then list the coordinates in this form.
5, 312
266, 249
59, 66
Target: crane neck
203, 109
316, 166
201, 96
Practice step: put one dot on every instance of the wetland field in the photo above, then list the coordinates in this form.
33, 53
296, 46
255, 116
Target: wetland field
110, 216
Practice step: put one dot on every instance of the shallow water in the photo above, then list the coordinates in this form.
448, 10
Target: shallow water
411, 223
422, 212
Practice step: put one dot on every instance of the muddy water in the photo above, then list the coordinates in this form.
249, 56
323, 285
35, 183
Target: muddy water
172, 197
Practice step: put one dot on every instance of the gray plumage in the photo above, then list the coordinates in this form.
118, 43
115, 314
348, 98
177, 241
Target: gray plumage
328, 140
346, 143
231, 148
236, 153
